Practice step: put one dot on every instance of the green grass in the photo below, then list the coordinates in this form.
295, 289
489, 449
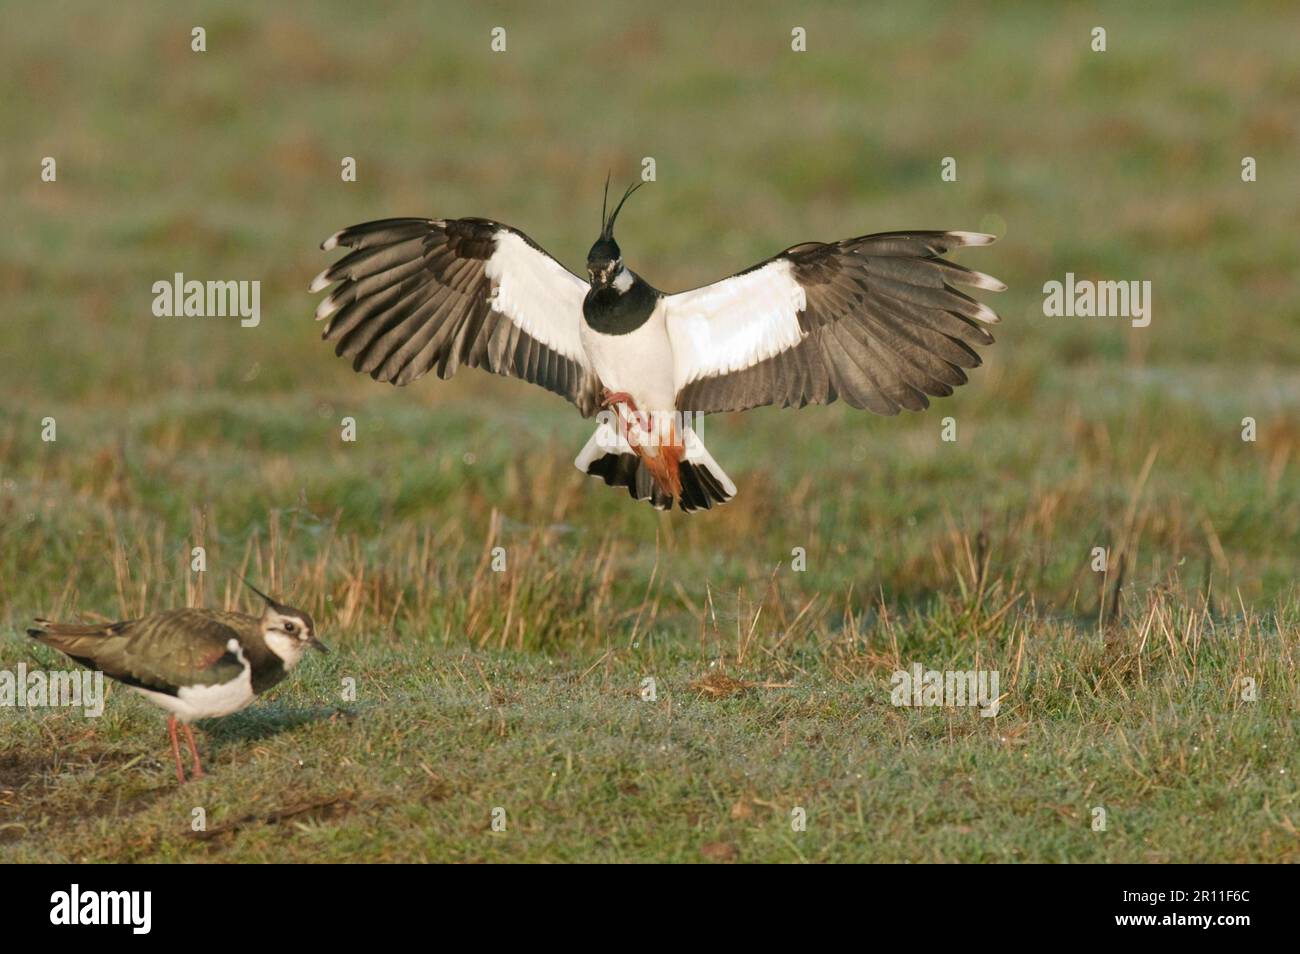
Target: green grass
439, 736
478, 689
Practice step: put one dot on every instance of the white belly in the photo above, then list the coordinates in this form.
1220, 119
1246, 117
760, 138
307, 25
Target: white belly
208, 702
205, 702
639, 362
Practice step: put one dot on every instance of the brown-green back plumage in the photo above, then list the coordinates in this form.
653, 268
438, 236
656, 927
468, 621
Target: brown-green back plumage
168, 650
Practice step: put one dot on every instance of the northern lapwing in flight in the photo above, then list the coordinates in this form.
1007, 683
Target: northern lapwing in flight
876, 320
195, 663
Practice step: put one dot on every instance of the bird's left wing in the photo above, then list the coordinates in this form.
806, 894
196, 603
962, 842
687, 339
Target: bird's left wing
161, 652
875, 320
416, 295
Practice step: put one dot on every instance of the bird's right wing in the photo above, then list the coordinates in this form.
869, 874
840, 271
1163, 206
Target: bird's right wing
417, 295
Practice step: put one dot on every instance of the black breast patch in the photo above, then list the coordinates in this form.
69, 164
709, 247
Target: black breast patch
612, 312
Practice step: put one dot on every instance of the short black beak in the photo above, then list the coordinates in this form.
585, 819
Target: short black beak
315, 643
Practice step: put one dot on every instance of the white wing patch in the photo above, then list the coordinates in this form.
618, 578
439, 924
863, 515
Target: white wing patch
735, 323
538, 294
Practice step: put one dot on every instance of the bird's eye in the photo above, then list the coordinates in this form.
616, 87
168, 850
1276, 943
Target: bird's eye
291, 628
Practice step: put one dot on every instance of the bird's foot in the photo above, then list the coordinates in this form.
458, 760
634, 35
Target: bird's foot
610, 398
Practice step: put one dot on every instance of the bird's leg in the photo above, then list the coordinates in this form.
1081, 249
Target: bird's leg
631, 424
194, 752
610, 398
176, 749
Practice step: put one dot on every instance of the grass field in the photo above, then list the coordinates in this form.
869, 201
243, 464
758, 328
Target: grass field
521, 690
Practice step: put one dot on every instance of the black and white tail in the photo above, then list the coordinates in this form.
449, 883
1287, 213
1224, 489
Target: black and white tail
608, 455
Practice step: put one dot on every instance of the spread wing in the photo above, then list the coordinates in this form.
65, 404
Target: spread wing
161, 652
416, 295
875, 320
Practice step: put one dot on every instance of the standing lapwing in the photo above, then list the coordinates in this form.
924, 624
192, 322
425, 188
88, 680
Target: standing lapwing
876, 320
195, 663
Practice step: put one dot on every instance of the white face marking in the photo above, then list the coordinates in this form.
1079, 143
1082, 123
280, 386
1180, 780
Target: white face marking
623, 280
285, 635
286, 647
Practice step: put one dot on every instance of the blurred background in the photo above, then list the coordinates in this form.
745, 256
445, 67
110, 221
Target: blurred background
1077, 433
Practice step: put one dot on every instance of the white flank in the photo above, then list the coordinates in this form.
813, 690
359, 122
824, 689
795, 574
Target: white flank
209, 702
639, 362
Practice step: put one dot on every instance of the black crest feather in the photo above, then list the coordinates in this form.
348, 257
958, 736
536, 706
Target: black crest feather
608, 231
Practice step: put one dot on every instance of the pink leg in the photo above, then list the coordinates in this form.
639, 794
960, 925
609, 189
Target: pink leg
176, 749
194, 752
